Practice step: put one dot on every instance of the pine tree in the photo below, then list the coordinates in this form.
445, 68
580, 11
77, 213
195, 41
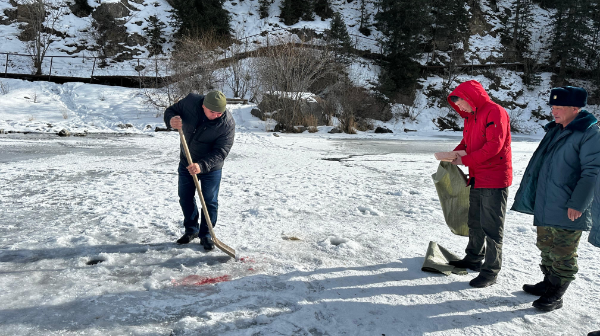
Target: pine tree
294, 10
81, 8
323, 9
196, 17
449, 24
306, 8
263, 8
403, 25
339, 33
364, 19
517, 32
571, 33
288, 15
154, 32
594, 47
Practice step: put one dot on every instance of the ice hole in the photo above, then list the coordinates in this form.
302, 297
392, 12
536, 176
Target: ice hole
337, 241
94, 261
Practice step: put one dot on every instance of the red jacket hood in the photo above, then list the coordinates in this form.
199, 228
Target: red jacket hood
473, 92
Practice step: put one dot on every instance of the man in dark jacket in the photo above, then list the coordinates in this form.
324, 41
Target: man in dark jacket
558, 188
594, 237
486, 139
209, 130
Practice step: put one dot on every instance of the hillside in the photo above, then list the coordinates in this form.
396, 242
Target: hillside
82, 49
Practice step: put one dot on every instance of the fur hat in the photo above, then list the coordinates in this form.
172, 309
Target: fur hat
568, 96
215, 101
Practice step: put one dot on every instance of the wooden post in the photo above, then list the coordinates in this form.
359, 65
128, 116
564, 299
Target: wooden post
93, 68
50, 73
139, 73
6, 66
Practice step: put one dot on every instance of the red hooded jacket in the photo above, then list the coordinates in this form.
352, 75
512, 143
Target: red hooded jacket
486, 138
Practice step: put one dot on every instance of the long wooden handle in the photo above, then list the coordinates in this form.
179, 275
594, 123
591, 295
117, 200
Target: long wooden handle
189, 159
228, 250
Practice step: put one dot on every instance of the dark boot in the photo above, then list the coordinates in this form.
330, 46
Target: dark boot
482, 281
594, 333
475, 266
186, 238
552, 299
539, 288
207, 242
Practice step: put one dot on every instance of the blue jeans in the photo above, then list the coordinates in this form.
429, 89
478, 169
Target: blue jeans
209, 183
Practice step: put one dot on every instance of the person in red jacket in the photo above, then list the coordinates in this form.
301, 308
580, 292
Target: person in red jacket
486, 139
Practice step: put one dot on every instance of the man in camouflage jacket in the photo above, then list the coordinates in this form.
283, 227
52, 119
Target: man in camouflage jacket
558, 189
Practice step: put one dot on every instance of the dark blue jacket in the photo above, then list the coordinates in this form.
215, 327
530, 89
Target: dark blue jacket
561, 174
594, 238
209, 141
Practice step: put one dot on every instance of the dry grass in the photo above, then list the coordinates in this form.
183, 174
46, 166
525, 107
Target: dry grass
4, 88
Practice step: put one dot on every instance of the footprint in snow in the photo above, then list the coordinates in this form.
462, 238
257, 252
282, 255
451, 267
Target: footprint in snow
368, 211
341, 242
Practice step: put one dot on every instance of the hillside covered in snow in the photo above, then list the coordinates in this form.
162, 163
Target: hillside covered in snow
141, 39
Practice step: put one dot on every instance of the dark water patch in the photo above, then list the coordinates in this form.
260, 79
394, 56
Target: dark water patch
95, 261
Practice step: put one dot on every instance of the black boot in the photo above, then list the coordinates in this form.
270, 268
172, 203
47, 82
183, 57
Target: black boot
594, 333
207, 242
552, 299
482, 281
475, 266
186, 238
539, 288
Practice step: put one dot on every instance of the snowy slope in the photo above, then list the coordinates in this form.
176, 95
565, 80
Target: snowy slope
510, 92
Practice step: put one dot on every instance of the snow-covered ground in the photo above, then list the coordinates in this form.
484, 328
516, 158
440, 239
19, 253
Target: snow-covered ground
331, 232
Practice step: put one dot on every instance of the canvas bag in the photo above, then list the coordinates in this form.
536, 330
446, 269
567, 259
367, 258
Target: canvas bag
451, 185
437, 258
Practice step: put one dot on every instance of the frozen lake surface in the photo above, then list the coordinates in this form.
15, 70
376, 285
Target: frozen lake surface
331, 235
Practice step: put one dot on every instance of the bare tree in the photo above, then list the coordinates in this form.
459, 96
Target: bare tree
286, 71
193, 64
451, 72
40, 17
237, 75
355, 106
191, 68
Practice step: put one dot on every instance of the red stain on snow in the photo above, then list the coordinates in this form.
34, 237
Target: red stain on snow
196, 280
247, 260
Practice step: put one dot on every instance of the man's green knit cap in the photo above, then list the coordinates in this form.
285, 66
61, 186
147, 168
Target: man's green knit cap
215, 101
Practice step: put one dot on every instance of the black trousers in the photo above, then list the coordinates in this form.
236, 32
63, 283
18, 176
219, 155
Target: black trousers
487, 211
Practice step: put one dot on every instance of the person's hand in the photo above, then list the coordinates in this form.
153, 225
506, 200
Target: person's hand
573, 214
457, 161
176, 122
194, 169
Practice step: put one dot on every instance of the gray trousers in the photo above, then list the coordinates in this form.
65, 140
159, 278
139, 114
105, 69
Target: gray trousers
487, 211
